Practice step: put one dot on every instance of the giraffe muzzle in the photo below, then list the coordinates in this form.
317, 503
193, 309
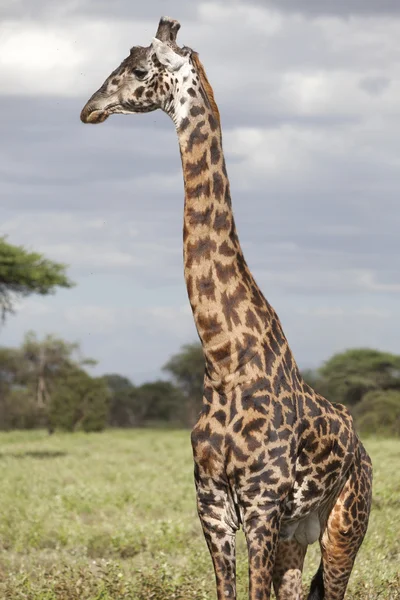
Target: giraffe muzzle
88, 115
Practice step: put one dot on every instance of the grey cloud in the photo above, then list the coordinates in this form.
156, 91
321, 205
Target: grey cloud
375, 85
337, 8
117, 9
80, 168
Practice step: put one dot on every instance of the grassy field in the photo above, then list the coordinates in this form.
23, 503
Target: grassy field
112, 516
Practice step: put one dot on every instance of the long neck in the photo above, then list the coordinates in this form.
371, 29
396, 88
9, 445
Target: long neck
231, 315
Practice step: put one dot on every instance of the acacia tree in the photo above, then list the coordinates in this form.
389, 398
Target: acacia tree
48, 360
346, 377
23, 273
43, 383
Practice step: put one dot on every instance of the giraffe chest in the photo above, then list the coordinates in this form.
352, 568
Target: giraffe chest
254, 459
247, 480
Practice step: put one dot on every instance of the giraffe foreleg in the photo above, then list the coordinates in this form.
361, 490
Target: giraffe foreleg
288, 570
262, 531
219, 530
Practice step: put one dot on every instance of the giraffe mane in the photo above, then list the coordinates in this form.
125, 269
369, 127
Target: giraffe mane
206, 86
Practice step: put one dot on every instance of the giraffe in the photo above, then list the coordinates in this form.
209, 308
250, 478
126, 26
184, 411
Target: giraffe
271, 455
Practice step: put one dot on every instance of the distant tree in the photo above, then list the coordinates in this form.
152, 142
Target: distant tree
42, 383
38, 367
79, 402
160, 401
132, 406
23, 273
123, 404
378, 413
45, 360
117, 383
348, 376
187, 370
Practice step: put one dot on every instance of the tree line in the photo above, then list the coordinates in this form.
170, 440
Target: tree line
45, 383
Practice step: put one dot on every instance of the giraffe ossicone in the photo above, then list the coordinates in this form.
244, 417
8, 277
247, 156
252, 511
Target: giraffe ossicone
271, 455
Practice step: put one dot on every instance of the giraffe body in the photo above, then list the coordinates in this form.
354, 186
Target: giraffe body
270, 454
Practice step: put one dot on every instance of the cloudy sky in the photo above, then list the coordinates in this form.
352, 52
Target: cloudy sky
309, 93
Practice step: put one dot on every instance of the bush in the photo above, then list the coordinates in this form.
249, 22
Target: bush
18, 410
378, 413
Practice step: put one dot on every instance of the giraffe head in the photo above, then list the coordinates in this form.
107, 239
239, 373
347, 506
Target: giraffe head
146, 80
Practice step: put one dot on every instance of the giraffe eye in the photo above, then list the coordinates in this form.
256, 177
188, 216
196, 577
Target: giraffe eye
139, 73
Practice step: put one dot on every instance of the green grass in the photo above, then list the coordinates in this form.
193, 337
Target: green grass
111, 516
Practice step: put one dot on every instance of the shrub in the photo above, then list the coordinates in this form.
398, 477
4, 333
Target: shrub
378, 413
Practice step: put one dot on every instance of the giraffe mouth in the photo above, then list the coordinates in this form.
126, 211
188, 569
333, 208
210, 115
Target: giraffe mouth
97, 115
94, 116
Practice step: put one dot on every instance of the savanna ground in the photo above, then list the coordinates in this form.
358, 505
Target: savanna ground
112, 516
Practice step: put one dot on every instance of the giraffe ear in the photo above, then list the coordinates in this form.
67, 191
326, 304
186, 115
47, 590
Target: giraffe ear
167, 57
